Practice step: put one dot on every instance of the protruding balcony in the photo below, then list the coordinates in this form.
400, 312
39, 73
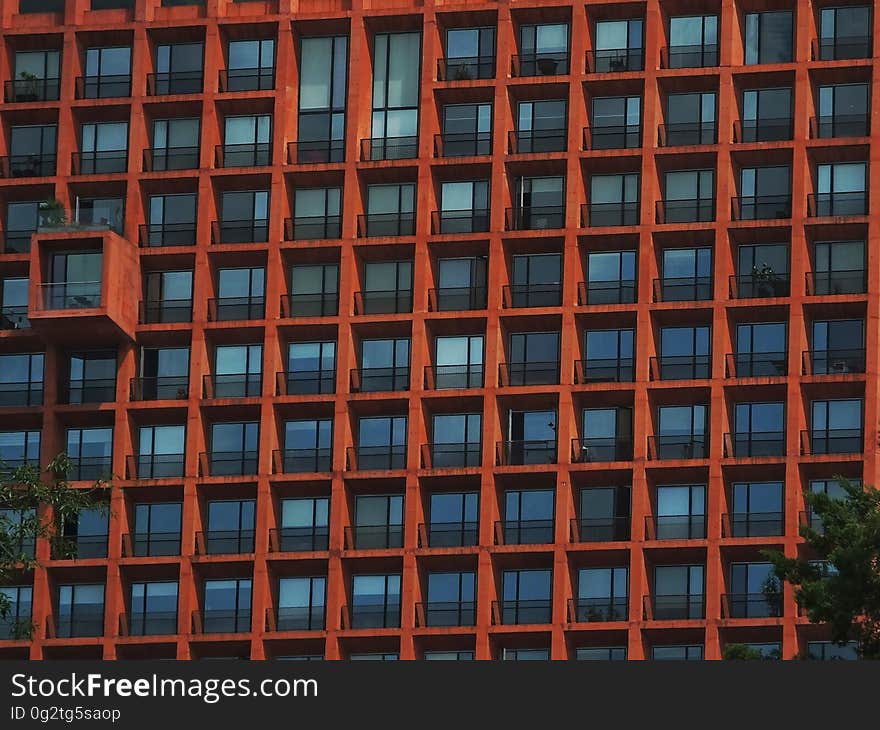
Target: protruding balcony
532, 295
302, 461
312, 227
305, 382
226, 309
600, 529
840, 125
752, 444
313, 538
446, 613
389, 148
375, 380
759, 284
457, 298
760, 207
589, 610
520, 452
836, 361
823, 205
756, 364
678, 446
453, 377
615, 60
374, 537
31, 89
467, 68
528, 373
540, 64
451, 455
227, 463
315, 152
824, 283
449, 534
590, 450
524, 611
604, 370
163, 159
702, 55
252, 154
376, 458
671, 608
463, 144
225, 542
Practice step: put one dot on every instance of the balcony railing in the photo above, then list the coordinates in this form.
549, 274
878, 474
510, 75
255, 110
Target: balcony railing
243, 231
615, 60
246, 79
451, 455
150, 544
104, 86
588, 610
840, 125
760, 207
165, 311
221, 621
374, 380
681, 134
251, 154
759, 285
533, 611
84, 547
311, 538
312, 227
301, 461
168, 387
85, 621
89, 468
600, 529
833, 362
295, 618
618, 213
466, 68
528, 373
228, 463
389, 148
305, 382
149, 623
28, 165
532, 295
756, 364
319, 304
524, 532
704, 55
612, 136
448, 534
376, 458
21, 393
101, 162
152, 235
387, 224
227, 309
17, 241
520, 452
317, 151
14, 318
225, 542
682, 289
751, 605
821, 205
456, 377
752, 524
521, 142
763, 130
535, 217
446, 613
604, 370
234, 385
175, 82
155, 466
832, 441
670, 608
681, 367
374, 537
753, 444
618, 291
837, 48
372, 616
591, 449
678, 446
460, 221
823, 283
540, 64
31, 89
457, 298
695, 210
394, 301
462, 144
163, 159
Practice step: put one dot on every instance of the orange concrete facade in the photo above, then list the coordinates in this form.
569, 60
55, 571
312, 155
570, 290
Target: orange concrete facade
116, 325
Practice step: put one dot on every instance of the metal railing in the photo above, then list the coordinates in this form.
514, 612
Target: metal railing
533, 611
460, 221
375, 380
588, 610
90, 468
457, 298
604, 370
246, 79
759, 285
386, 224
28, 165
841, 47
836, 361
540, 64
164, 83
683, 446
227, 463
462, 144
751, 444
21, 393
840, 125
449, 534
751, 605
17, 241
312, 538
295, 618
612, 136
14, 318
446, 613
520, 452
88, 390
102, 87
696, 210
150, 544
670, 608
600, 529
823, 283
225, 542
31, 89
317, 151
522, 142
240, 231
151, 235
534, 218
225, 309
373, 537
465, 68
615, 60
591, 449
375, 458
451, 455
371, 616
682, 288
756, 364
165, 311
305, 382
681, 367
681, 134
155, 466
167, 387
619, 291
832, 441
619, 213
320, 304
163, 159
703, 55
100, 162
763, 130
528, 373
760, 207
752, 524
532, 295
446, 377
221, 621
821, 205
312, 227
84, 622
394, 301
524, 532
233, 385
389, 148
148, 623
250, 154
302, 461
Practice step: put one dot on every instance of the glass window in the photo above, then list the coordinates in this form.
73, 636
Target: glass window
453, 519
317, 213
681, 511
529, 516
618, 45
227, 605
157, 528
304, 524
250, 65
21, 379
693, 41
80, 610
769, 37
396, 71
526, 596
322, 99
470, 54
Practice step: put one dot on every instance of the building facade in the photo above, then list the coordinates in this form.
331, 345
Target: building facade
480, 330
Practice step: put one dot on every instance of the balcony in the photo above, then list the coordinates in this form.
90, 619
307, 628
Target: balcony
621, 291
457, 298
763, 130
163, 159
175, 82
225, 542
221, 621
760, 207
600, 529
615, 60
82, 547
682, 289
374, 537
463, 144
604, 370
71, 295
155, 466
21, 393
534, 611
833, 362
246, 79
396, 301
534, 218
528, 373
618, 213
227, 309
751, 605
150, 544
166, 311
832, 441
102, 87
372, 616
590, 450
305, 382
86, 621
681, 367
376, 458
14, 318
522, 452
589, 610
315, 152
460, 221
467, 68
524, 532
90, 468
235, 385
703, 55
389, 148
386, 224
320, 304
532, 295
227, 463
694, 210
838, 48
446, 613
376, 380
455, 377
824, 283
539, 64
252, 154
157, 235
759, 284
28, 165
754, 444
21, 90
449, 534
752, 524
310, 538
821, 205
451, 456
678, 446
312, 227
682, 134
295, 618
150, 623
756, 364
302, 461
840, 125
169, 387
534, 141
671, 608
613, 137
250, 231
103, 162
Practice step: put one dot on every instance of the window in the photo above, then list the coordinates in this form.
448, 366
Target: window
611, 277
451, 599
842, 111
608, 356
685, 353
615, 122
543, 49
92, 377
690, 652
764, 192
601, 653
250, 65
317, 213
529, 516
16, 622
314, 290
153, 608
766, 115
36, 76
839, 267
233, 448
467, 130
693, 41
829, 651
604, 514
167, 297
390, 210
542, 126
761, 349
238, 372
104, 212
837, 346
690, 119
396, 73
175, 144
244, 216
21, 379
323, 84
90, 451
843, 32
539, 203
614, 200
470, 54
534, 358
769, 37
464, 206
387, 287
762, 271
618, 46
307, 445
107, 73
531, 438
164, 374
841, 189
687, 274
375, 601
682, 432
240, 294
304, 524
80, 610
678, 592
526, 596
681, 512
227, 606
157, 528
301, 603
247, 141
230, 528
160, 452
759, 429
172, 220
311, 368
461, 284
76, 281
689, 196
510, 654
384, 365
381, 442
104, 148
14, 303
836, 426
18, 523
536, 281
603, 594
755, 591
464, 655
458, 362
18, 448
178, 69
453, 519
606, 435
32, 150
456, 440
22, 220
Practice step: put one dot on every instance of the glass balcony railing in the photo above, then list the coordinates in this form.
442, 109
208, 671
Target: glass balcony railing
465, 68
524, 611
301, 461
374, 537
837, 361
446, 613
310, 538
71, 295
615, 60
675, 527
604, 370
520, 452
589, 610
524, 532
451, 455
225, 542
448, 534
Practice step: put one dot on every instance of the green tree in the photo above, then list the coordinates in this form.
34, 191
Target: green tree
745, 652
839, 582
37, 504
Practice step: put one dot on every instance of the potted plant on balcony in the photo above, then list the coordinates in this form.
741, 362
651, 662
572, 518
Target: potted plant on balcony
28, 87
767, 282
52, 214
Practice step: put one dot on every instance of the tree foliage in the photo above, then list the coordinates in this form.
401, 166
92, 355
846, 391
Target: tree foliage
839, 582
